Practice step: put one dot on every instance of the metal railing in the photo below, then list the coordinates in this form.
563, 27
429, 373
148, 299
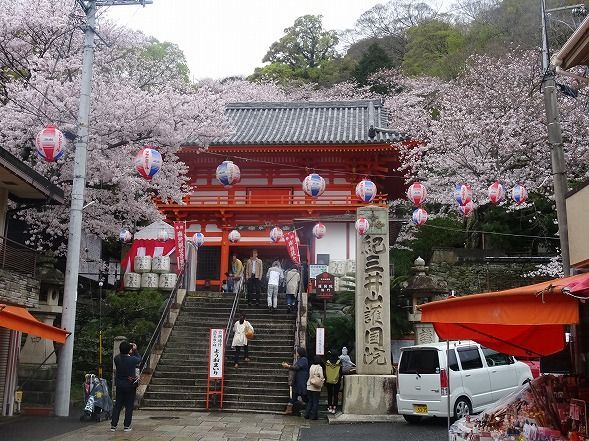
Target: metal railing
17, 257
234, 309
282, 201
297, 341
156, 338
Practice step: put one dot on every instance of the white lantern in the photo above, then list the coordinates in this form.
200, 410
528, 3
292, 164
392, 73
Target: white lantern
362, 225
198, 240
314, 185
419, 216
319, 230
163, 235
228, 173
496, 192
417, 193
234, 236
148, 162
125, 236
366, 190
50, 143
276, 234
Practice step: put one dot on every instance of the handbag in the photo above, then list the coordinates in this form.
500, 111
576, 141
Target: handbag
249, 332
316, 381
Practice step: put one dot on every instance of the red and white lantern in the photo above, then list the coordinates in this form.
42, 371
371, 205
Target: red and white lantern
519, 194
163, 235
50, 143
496, 192
276, 234
314, 185
466, 209
362, 225
319, 230
234, 236
125, 236
462, 194
228, 173
366, 190
198, 240
148, 162
417, 193
419, 217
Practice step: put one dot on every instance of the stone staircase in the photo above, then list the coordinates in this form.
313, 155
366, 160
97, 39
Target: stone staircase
261, 385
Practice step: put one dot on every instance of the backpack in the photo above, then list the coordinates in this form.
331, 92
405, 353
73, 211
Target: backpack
332, 372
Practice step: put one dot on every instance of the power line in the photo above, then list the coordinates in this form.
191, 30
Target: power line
490, 232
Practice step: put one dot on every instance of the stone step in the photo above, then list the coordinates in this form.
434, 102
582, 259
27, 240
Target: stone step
270, 345
230, 374
253, 389
199, 405
171, 371
237, 397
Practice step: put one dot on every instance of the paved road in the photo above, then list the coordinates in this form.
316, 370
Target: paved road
430, 430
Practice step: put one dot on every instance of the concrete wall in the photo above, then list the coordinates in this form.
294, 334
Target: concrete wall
18, 289
578, 215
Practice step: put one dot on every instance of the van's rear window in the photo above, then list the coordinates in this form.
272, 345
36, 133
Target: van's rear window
422, 361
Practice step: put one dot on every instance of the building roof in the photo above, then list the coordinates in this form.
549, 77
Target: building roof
312, 123
25, 184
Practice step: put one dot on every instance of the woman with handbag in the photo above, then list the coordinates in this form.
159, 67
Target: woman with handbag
314, 385
242, 331
298, 381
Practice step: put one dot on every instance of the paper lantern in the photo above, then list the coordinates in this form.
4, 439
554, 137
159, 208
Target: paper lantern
314, 185
362, 225
496, 192
228, 173
466, 209
50, 143
519, 194
125, 236
419, 216
462, 194
319, 230
275, 234
417, 193
163, 235
148, 162
198, 240
234, 236
366, 190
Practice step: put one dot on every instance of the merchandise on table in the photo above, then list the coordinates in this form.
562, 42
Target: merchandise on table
550, 408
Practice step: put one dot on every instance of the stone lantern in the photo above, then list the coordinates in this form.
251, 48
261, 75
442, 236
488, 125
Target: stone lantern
423, 288
38, 388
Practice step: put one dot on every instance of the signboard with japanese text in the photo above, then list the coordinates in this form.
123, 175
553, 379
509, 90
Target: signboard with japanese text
180, 239
292, 245
216, 353
320, 341
315, 270
324, 286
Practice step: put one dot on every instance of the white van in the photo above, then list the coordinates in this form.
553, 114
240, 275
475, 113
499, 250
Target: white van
477, 377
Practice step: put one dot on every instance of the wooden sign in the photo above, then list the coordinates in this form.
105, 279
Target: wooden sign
216, 351
324, 286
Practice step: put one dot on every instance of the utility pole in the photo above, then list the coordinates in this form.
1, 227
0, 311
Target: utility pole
70, 294
555, 140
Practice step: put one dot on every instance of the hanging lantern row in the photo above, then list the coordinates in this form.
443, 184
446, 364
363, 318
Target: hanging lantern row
234, 236
148, 162
276, 234
198, 240
50, 143
125, 236
366, 190
496, 192
228, 173
319, 230
417, 193
362, 225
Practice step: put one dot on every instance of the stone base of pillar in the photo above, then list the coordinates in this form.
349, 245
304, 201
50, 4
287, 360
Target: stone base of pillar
371, 396
39, 386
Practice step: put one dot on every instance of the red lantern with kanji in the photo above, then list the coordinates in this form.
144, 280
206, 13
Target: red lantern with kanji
496, 192
362, 225
50, 143
419, 217
466, 209
417, 193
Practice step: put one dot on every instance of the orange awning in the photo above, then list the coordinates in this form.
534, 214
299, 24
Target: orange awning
19, 319
522, 321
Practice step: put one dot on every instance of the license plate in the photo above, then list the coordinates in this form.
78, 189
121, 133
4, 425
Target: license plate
420, 408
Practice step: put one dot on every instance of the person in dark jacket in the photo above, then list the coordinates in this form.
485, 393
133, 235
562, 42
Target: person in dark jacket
299, 385
126, 381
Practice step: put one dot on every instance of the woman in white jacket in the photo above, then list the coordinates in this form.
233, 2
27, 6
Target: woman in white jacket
314, 385
240, 329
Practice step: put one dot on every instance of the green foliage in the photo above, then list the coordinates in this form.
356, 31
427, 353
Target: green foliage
340, 331
434, 48
373, 60
305, 44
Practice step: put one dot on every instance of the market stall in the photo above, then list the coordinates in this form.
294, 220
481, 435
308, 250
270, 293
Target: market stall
526, 321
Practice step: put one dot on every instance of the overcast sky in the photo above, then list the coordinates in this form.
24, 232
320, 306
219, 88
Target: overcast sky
221, 38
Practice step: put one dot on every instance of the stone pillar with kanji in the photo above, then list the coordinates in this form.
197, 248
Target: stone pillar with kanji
370, 394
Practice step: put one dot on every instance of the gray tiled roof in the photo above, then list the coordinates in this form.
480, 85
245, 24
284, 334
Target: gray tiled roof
330, 122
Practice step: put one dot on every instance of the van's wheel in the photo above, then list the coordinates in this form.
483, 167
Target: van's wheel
412, 419
462, 408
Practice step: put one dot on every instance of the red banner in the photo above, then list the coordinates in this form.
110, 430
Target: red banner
292, 245
180, 238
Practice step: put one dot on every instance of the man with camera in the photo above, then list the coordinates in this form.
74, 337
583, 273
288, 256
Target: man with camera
126, 381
